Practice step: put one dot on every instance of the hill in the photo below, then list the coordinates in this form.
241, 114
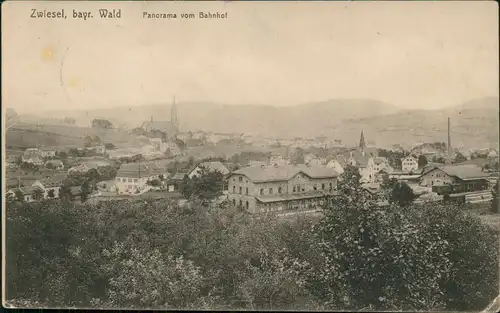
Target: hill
310, 119
25, 135
473, 124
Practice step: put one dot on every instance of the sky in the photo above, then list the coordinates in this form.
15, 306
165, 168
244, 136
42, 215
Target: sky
415, 55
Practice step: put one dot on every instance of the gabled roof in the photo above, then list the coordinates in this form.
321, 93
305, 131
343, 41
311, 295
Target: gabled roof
139, 170
380, 160
26, 190
284, 173
51, 182
213, 166
462, 171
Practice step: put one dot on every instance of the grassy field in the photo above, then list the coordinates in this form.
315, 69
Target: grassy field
25, 135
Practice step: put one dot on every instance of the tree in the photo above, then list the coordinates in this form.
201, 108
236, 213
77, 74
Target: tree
85, 191
206, 186
402, 194
50, 166
102, 123
459, 158
65, 193
154, 183
62, 155
109, 146
69, 120
438, 159
19, 195
51, 194
494, 202
298, 156
422, 161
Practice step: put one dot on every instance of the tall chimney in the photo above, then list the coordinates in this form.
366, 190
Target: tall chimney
449, 143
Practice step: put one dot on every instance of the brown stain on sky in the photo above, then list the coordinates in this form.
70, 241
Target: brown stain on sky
48, 54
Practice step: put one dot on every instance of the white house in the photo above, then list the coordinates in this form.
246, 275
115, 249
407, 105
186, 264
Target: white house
33, 159
211, 166
28, 193
409, 164
48, 184
48, 152
132, 178
337, 164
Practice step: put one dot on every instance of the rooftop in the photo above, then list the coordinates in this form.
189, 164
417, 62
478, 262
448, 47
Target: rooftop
284, 173
463, 171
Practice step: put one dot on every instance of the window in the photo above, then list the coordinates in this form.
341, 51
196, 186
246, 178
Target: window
234, 202
241, 190
279, 190
315, 187
270, 191
241, 203
303, 188
331, 186
136, 180
247, 205
261, 191
246, 190
240, 178
234, 189
130, 180
323, 186
293, 189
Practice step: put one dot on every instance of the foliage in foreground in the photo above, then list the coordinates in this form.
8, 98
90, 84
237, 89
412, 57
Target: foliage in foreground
160, 255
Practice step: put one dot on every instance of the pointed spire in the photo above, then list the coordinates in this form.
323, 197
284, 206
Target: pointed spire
173, 115
362, 143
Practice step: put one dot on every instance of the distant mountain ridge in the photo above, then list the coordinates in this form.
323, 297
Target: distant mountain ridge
473, 123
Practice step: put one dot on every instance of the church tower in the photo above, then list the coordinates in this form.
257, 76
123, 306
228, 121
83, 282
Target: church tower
173, 116
362, 144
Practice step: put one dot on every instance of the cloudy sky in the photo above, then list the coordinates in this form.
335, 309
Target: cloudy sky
413, 55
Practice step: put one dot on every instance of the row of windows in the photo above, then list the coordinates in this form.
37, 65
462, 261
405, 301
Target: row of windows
241, 203
241, 190
129, 180
295, 188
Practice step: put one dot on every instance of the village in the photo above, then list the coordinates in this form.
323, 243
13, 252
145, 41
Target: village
260, 175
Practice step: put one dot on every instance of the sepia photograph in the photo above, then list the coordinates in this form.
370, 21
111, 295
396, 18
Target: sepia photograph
251, 155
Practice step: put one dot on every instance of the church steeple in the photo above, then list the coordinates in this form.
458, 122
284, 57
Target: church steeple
173, 115
362, 143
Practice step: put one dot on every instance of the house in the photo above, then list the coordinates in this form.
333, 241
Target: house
88, 165
277, 159
12, 162
277, 188
175, 182
156, 142
123, 153
469, 177
211, 166
493, 154
47, 184
32, 159
409, 164
29, 194
54, 164
99, 149
148, 150
338, 163
134, 177
48, 152
172, 147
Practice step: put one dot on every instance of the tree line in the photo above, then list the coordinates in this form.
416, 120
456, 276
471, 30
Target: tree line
160, 255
